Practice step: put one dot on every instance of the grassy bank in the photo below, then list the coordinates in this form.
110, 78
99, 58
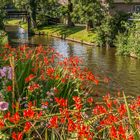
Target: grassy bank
78, 33
17, 22
12, 22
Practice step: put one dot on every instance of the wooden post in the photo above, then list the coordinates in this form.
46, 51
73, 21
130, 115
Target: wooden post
29, 24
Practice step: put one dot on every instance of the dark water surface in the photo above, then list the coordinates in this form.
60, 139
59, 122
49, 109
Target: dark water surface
124, 72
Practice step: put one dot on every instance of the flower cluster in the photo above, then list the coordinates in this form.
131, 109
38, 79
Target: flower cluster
46, 96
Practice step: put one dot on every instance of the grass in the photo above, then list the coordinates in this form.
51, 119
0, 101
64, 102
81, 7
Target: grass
16, 22
12, 22
77, 32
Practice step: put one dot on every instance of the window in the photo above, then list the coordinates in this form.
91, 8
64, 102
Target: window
137, 8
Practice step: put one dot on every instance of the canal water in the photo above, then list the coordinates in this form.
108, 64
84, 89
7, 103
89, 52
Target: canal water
123, 72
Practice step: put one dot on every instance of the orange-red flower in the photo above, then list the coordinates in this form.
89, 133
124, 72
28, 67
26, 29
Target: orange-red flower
53, 123
9, 88
50, 72
71, 125
62, 102
90, 100
1, 123
28, 113
27, 127
15, 118
17, 136
29, 78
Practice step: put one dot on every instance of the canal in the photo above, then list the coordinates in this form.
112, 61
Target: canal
123, 72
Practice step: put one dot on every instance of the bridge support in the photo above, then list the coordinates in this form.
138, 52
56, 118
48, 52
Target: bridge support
29, 24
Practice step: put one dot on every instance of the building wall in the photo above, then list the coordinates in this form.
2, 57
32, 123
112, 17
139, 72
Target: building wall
125, 7
123, 1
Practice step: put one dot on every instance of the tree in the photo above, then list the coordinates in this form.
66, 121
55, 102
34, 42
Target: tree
67, 10
3, 3
89, 11
70, 10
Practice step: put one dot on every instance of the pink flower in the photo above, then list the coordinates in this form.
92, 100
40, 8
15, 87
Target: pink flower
3, 106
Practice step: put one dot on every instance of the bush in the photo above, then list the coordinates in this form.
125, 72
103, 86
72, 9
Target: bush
109, 29
128, 43
3, 38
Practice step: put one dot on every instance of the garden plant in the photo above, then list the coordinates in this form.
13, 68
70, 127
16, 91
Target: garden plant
44, 96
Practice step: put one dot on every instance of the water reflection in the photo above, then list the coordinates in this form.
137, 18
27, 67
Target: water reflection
124, 72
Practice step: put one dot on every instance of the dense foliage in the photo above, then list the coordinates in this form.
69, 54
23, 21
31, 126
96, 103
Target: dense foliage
128, 43
110, 27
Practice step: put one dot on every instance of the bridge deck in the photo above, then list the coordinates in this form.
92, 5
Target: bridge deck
17, 13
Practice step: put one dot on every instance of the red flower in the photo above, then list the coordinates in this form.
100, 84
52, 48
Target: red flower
45, 103
96, 81
17, 136
53, 122
90, 100
29, 78
113, 132
64, 112
121, 132
7, 116
15, 118
131, 137
83, 131
46, 61
30, 104
39, 114
9, 88
1, 123
28, 113
122, 110
33, 87
71, 125
99, 109
27, 127
62, 102
50, 71
77, 101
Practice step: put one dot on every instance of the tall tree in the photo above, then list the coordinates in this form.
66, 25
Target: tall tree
67, 6
3, 3
70, 10
89, 11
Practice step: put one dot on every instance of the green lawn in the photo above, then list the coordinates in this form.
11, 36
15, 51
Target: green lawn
16, 22
12, 22
77, 33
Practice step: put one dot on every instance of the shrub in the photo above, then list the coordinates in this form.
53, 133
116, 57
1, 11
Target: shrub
109, 29
128, 43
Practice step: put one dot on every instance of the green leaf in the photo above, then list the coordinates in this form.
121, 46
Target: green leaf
131, 120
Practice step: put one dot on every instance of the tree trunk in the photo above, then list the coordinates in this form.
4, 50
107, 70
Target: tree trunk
70, 10
33, 6
89, 25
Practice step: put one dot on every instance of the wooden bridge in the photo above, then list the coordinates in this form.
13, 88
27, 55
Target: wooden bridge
13, 13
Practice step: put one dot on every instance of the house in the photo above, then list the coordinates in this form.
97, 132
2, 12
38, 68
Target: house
121, 5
